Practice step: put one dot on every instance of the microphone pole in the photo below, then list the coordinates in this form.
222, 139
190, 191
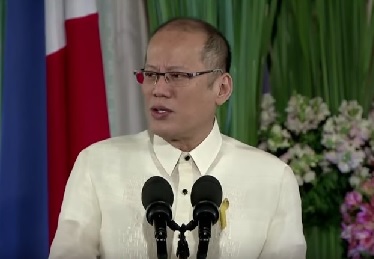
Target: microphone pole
204, 237
207, 214
206, 196
157, 199
159, 217
160, 235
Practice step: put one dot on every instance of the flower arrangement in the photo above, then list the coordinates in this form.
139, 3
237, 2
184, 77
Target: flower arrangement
330, 154
358, 220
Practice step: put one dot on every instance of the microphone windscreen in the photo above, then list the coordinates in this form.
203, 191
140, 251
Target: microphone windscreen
156, 189
206, 188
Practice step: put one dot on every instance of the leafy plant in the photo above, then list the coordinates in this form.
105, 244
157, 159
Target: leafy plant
358, 220
326, 49
329, 154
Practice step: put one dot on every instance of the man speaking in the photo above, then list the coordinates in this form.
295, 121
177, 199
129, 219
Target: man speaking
134, 196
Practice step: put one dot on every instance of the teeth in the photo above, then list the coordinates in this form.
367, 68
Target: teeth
160, 110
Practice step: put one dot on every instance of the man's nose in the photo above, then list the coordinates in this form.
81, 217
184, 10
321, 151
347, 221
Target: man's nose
159, 77
161, 88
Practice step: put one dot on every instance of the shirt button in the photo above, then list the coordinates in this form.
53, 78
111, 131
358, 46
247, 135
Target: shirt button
187, 158
184, 191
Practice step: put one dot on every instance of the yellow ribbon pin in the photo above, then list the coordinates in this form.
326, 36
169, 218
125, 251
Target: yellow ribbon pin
222, 213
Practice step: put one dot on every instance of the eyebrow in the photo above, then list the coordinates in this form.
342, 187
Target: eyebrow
169, 68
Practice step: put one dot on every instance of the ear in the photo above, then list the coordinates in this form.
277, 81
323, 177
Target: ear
225, 89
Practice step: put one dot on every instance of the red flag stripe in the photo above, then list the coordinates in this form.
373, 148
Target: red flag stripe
77, 107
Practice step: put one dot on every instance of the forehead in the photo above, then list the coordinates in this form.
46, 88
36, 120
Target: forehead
170, 48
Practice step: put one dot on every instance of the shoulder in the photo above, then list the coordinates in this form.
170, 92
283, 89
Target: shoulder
125, 143
258, 160
113, 154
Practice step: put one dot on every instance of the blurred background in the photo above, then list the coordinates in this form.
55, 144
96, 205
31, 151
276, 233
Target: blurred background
303, 74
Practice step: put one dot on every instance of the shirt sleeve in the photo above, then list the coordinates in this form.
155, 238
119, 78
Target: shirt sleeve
78, 231
285, 239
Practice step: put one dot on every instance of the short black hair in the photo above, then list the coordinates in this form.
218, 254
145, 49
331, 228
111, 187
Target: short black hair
216, 52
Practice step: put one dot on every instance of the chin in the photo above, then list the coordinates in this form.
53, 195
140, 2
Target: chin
161, 128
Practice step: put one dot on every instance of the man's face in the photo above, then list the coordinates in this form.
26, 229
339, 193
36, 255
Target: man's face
179, 109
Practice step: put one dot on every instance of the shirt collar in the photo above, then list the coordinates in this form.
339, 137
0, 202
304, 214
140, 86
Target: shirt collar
203, 155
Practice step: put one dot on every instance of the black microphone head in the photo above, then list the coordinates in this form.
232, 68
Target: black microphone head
206, 188
157, 189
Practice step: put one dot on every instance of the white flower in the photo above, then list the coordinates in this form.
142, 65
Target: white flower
359, 176
302, 159
267, 101
371, 134
354, 181
299, 180
263, 146
268, 114
371, 114
354, 132
347, 157
329, 126
351, 110
304, 114
309, 177
344, 137
332, 140
363, 172
278, 138
325, 165
343, 167
320, 110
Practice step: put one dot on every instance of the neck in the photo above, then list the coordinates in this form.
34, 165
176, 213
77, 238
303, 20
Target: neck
189, 143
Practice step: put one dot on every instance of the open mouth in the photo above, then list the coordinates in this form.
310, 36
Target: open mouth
160, 109
160, 113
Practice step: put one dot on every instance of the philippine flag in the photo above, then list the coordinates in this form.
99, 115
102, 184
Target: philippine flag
53, 106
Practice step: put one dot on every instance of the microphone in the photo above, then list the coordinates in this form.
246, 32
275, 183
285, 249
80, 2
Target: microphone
206, 197
157, 199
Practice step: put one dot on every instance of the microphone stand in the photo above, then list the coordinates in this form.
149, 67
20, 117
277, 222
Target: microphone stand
206, 215
160, 236
205, 224
204, 237
183, 251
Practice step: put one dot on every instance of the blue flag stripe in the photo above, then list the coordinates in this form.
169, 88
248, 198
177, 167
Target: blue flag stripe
23, 152
2, 20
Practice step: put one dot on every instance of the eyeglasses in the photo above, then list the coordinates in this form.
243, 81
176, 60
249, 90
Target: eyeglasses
176, 78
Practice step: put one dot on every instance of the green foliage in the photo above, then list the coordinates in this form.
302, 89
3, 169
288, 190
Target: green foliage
324, 48
322, 200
